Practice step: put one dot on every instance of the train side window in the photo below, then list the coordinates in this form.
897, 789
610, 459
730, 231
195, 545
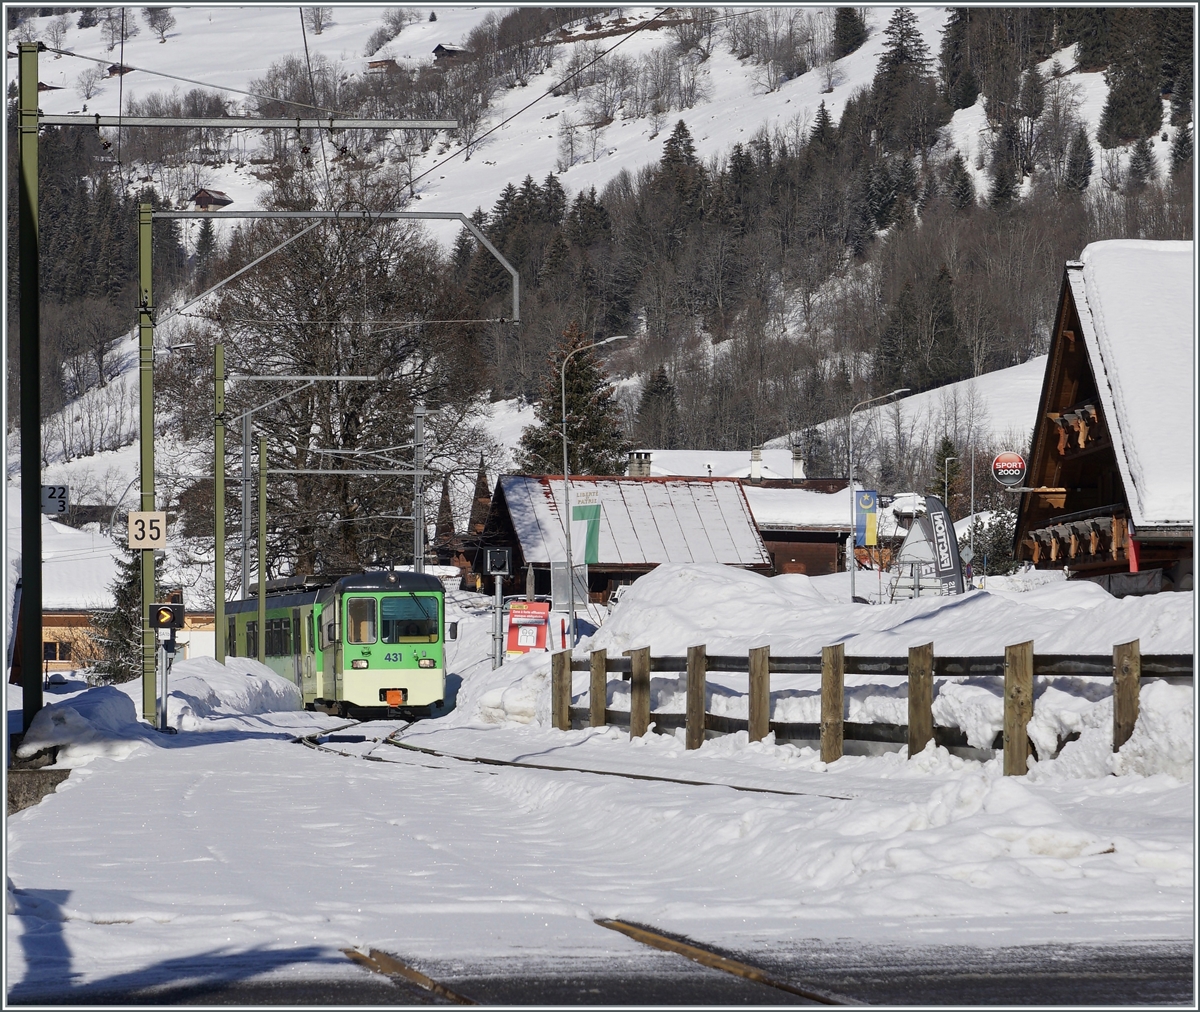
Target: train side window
312, 640
252, 639
231, 639
360, 620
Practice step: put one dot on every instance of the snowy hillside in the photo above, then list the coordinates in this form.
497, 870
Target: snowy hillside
231, 47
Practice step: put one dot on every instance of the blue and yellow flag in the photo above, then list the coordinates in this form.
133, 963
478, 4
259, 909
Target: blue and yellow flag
866, 504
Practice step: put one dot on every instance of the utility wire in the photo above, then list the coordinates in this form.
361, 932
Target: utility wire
203, 84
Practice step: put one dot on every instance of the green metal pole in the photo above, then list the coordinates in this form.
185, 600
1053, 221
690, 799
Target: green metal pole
219, 499
146, 436
262, 550
31, 368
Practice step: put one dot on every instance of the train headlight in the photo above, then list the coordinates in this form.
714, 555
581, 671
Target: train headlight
427, 662
359, 662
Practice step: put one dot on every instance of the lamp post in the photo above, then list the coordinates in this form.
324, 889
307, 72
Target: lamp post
946, 481
850, 420
567, 470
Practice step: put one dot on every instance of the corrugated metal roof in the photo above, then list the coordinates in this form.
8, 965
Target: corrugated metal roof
643, 521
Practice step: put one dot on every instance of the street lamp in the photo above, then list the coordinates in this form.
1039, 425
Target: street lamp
861, 404
946, 481
567, 469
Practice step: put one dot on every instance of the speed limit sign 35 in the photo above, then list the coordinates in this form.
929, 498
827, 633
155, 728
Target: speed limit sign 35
148, 529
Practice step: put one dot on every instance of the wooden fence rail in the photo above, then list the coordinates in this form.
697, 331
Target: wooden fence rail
1018, 667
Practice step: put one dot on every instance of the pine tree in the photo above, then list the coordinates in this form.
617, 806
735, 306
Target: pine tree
993, 544
1181, 151
206, 248
1004, 170
1133, 107
823, 136
119, 629
1143, 166
596, 444
849, 31
1079, 162
960, 185
657, 422
88, 18
678, 149
1088, 28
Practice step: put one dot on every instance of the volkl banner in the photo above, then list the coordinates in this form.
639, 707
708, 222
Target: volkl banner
947, 565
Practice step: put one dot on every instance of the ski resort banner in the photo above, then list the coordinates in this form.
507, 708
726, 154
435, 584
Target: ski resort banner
947, 566
866, 518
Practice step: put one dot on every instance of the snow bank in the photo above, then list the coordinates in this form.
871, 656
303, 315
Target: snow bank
201, 688
103, 722
731, 610
98, 723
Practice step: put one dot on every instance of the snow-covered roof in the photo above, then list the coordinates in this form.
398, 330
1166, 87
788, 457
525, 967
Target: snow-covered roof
77, 567
777, 463
643, 521
799, 507
1135, 304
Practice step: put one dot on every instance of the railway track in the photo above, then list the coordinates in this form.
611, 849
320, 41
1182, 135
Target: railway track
392, 966
312, 741
400, 972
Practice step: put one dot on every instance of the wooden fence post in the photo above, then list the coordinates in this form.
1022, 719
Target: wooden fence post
760, 693
639, 702
1018, 707
920, 698
1127, 684
833, 679
598, 688
560, 689
697, 673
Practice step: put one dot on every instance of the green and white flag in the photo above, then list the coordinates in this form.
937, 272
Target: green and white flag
585, 529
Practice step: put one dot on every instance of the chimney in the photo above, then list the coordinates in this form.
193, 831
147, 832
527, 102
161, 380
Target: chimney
756, 464
639, 464
797, 465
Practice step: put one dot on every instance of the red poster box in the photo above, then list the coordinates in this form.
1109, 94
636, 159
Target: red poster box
528, 627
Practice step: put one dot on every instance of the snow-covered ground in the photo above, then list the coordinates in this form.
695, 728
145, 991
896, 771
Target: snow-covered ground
228, 850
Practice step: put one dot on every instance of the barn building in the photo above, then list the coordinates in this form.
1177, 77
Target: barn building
1114, 443
640, 523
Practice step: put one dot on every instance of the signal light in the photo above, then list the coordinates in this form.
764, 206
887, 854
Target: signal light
166, 615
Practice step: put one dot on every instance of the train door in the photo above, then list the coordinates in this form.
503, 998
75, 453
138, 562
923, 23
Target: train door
297, 649
308, 642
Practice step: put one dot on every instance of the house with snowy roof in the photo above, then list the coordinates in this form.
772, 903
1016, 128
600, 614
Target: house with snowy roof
803, 521
1112, 467
623, 527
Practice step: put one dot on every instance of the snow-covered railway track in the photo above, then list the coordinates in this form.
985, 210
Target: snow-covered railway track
313, 741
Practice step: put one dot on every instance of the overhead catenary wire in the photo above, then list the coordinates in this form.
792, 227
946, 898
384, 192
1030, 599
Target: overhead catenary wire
545, 94
312, 90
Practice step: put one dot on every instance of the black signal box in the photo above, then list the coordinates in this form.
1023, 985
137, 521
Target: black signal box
498, 561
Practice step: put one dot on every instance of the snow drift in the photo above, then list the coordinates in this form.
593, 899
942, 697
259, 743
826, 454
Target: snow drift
103, 722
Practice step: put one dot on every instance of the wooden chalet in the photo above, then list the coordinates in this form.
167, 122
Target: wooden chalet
1113, 448
206, 199
448, 54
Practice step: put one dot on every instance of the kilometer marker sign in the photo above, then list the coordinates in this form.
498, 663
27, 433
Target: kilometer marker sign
1009, 469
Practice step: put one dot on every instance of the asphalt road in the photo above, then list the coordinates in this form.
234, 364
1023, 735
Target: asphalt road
1153, 974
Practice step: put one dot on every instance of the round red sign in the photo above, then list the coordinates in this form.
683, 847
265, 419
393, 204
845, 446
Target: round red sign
1009, 469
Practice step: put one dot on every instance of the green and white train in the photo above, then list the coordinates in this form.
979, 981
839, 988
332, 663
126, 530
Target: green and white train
366, 645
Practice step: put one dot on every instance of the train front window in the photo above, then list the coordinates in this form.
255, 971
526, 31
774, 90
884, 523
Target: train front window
360, 620
409, 619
